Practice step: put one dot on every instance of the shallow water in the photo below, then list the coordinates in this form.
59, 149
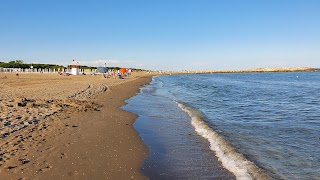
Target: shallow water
269, 121
176, 151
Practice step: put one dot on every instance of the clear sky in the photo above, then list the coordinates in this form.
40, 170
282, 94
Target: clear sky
162, 34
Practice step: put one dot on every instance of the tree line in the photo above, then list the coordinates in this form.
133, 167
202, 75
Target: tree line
22, 65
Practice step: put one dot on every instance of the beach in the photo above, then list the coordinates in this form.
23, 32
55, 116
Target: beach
69, 127
207, 126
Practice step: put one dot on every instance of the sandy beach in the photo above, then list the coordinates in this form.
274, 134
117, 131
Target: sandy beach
61, 127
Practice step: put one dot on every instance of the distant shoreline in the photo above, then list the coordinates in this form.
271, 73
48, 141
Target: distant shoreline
255, 70
283, 69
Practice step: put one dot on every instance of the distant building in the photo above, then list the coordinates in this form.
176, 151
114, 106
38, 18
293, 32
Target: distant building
74, 68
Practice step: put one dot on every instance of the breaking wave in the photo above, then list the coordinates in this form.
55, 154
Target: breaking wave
233, 161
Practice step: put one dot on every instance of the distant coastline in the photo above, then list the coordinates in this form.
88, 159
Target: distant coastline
92, 71
254, 70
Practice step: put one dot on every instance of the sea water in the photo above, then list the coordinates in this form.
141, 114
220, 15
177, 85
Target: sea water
227, 126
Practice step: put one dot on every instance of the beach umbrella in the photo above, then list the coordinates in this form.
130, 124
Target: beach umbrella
123, 70
102, 69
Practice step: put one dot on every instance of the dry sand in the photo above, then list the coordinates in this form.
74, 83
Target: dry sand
60, 127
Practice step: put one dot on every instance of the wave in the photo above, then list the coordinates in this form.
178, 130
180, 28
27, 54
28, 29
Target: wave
233, 161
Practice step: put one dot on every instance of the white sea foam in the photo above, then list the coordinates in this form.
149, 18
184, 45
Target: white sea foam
233, 161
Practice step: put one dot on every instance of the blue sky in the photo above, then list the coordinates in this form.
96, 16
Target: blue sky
162, 34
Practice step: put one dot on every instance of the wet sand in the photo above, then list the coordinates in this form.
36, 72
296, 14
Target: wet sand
62, 127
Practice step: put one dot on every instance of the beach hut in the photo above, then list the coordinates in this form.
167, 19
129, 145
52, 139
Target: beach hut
74, 68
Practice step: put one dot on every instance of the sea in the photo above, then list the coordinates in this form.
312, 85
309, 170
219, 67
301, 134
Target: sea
230, 126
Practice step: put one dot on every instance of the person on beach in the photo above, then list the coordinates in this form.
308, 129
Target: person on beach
114, 74
129, 72
120, 75
17, 74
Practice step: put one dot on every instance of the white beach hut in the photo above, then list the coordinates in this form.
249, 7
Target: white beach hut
74, 68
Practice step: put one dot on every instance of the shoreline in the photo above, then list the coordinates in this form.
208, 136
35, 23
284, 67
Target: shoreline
94, 140
84, 133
